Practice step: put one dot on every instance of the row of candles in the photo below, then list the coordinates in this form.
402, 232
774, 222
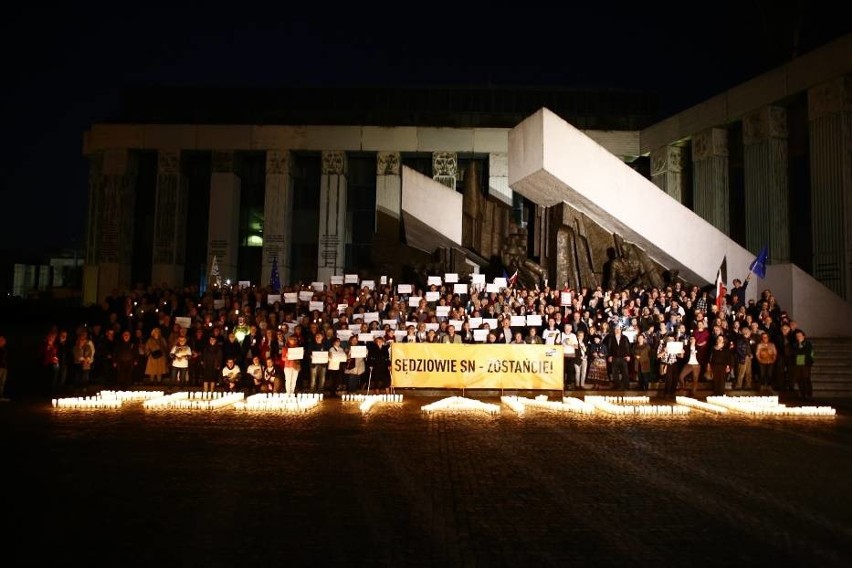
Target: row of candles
280, 402
301, 402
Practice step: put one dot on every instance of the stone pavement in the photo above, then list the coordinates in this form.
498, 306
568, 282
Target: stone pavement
397, 487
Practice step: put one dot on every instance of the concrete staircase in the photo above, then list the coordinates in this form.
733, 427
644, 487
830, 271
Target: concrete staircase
832, 371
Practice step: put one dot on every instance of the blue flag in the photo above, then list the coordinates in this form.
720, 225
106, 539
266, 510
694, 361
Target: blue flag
274, 279
758, 265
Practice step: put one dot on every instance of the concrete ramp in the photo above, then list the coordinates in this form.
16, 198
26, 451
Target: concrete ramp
551, 162
431, 212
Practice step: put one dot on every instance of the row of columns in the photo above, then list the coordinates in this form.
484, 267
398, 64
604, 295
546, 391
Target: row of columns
766, 165
113, 179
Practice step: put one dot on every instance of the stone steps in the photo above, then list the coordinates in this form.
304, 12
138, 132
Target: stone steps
831, 374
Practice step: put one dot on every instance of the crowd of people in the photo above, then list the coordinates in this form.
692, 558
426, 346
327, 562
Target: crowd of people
253, 340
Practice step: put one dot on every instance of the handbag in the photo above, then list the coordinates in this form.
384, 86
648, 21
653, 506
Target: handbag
156, 354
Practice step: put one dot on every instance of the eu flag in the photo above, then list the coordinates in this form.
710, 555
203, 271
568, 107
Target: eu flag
758, 265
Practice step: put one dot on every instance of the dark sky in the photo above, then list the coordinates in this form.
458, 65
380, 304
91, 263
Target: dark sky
65, 66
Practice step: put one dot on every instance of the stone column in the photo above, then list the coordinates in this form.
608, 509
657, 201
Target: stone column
223, 232
445, 168
388, 184
332, 215
498, 177
667, 170
710, 177
277, 216
498, 206
170, 210
830, 127
765, 157
112, 199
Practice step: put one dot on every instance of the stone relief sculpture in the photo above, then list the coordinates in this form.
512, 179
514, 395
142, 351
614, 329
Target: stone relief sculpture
514, 257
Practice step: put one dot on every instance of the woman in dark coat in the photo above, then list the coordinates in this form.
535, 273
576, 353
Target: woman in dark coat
211, 364
378, 361
721, 363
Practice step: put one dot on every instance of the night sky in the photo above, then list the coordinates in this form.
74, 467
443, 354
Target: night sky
65, 66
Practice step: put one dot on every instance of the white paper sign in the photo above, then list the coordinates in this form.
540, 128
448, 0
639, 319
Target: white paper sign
403, 288
565, 298
475, 322
442, 311
413, 301
518, 321
378, 333
272, 298
460, 288
534, 320
674, 347
295, 353
436, 280
501, 282
392, 323
184, 322
319, 357
338, 356
371, 316
244, 284
318, 286
478, 279
457, 324
433, 296
344, 334
218, 304
399, 334
451, 277
369, 284
480, 335
341, 308
356, 327
358, 351
337, 280
305, 296
630, 334
492, 288
290, 297
431, 325
492, 322
316, 305
350, 279
365, 337
383, 280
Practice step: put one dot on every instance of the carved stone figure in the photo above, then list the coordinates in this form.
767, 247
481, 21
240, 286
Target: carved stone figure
514, 257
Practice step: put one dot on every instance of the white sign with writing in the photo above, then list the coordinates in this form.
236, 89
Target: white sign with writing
534, 320
518, 321
413, 301
451, 277
295, 353
358, 351
478, 279
501, 282
433, 296
350, 279
371, 316
460, 289
480, 335
344, 334
436, 280
290, 297
365, 337
403, 288
305, 295
442, 311
369, 284
272, 298
336, 279
316, 305
491, 287
319, 357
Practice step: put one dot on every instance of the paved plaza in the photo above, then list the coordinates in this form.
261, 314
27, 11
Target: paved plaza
399, 487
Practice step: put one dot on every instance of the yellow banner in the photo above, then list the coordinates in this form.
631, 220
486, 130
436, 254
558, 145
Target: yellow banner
477, 366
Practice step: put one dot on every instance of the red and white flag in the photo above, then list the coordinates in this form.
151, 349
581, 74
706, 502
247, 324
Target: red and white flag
512, 279
721, 290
